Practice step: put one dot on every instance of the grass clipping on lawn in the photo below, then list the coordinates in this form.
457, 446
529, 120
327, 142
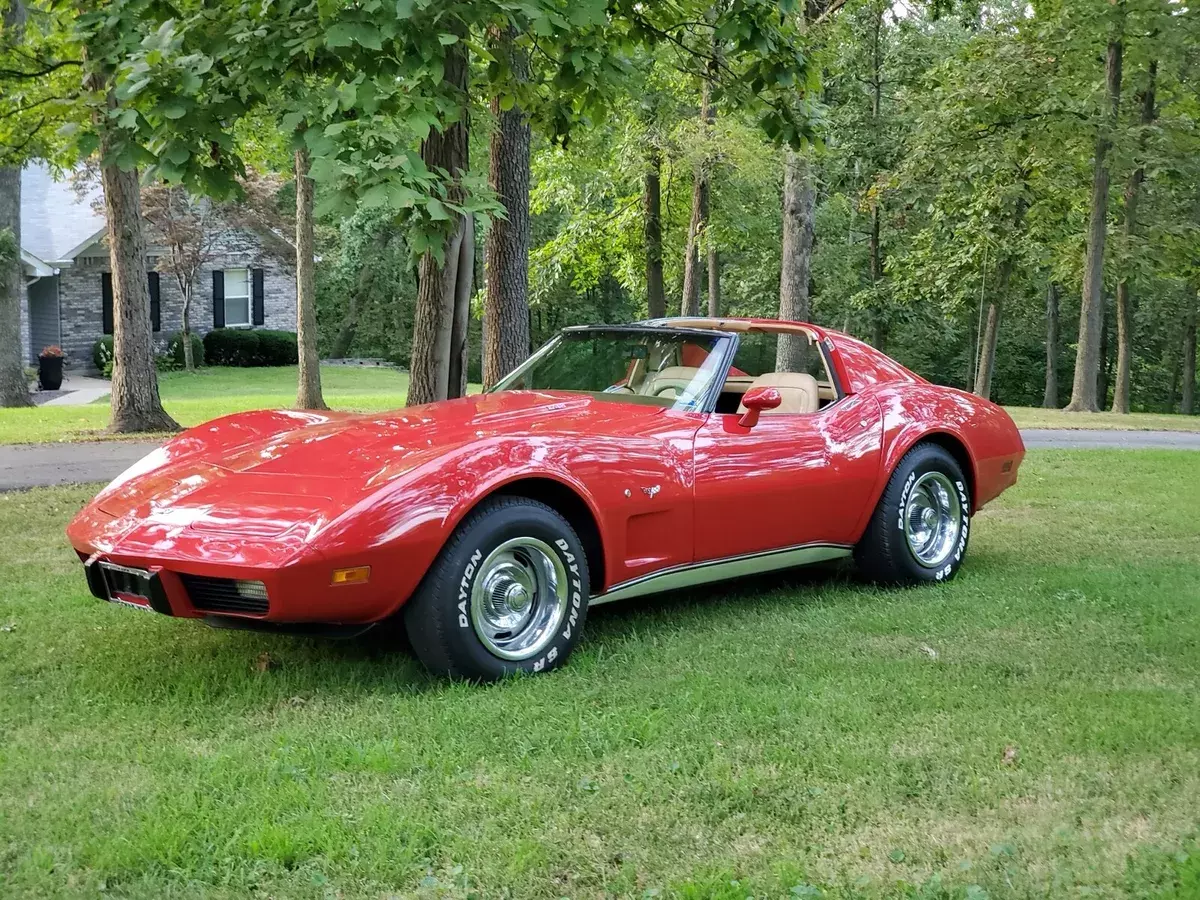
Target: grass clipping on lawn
1030, 730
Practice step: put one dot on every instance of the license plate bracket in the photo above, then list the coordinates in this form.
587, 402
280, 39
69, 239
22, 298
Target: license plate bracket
127, 586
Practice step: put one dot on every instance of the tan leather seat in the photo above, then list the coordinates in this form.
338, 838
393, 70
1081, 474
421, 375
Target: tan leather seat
670, 382
799, 391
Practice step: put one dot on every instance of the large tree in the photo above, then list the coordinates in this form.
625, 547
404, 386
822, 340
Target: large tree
506, 250
14, 391
1091, 315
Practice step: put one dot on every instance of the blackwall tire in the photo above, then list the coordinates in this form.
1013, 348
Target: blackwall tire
921, 525
507, 594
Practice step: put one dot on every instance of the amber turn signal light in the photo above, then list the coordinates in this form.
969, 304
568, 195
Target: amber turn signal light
356, 575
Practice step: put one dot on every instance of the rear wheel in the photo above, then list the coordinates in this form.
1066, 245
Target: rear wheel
507, 594
919, 530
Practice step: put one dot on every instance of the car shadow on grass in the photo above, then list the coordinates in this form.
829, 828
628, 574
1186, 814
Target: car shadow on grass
256, 669
788, 587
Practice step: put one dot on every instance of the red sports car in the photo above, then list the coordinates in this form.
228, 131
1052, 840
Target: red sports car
617, 462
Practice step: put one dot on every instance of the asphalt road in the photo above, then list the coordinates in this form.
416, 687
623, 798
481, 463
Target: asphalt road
1087, 439
41, 465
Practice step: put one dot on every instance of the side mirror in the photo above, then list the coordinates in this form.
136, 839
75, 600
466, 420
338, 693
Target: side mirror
756, 400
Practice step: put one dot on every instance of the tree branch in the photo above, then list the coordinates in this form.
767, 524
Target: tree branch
48, 69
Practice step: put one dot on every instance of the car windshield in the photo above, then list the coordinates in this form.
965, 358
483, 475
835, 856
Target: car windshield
652, 367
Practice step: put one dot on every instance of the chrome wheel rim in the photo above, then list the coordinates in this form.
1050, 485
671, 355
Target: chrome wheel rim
519, 598
932, 519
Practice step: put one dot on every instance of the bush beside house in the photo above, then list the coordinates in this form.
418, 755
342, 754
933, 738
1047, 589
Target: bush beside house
170, 358
245, 348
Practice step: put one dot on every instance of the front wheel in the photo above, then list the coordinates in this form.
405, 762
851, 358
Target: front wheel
507, 594
919, 530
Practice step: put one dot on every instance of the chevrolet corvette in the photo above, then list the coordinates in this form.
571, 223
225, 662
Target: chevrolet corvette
618, 461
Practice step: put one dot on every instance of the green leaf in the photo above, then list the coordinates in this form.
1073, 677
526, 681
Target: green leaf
447, 39
437, 210
343, 34
173, 110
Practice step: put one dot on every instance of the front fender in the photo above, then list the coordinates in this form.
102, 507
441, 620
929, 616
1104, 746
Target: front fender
400, 530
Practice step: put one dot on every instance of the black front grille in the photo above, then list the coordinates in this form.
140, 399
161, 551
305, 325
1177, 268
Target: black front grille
224, 595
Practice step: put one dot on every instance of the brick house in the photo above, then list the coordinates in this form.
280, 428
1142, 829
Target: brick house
249, 282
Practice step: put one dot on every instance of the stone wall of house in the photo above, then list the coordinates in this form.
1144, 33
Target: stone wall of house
81, 300
26, 355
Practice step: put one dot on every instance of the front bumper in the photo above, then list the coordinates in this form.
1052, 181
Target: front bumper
174, 593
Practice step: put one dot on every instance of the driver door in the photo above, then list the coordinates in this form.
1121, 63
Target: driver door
792, 479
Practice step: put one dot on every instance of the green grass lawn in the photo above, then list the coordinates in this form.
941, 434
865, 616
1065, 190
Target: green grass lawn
198, 396
1032, 417
1030, 730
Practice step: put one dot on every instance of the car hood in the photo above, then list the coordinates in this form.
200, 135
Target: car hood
283, 476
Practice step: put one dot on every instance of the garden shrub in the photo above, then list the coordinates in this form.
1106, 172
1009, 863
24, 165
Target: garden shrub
102, 353
278, 348
174, 354
245, 347
231, 347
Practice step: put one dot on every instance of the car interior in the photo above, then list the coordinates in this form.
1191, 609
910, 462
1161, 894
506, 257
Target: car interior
806, 387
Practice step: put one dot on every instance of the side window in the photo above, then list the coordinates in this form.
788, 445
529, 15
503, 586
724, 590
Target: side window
761, 352
785, 359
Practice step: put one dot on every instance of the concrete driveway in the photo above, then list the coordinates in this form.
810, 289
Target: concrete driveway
41, 465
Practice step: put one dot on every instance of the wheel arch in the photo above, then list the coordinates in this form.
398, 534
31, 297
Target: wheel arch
957, 448
568, 503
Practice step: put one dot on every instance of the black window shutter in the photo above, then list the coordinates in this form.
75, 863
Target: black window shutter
256, 293
106, 301
218, 298
155, 304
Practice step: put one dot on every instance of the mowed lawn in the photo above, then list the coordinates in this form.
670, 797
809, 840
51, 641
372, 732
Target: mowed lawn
1030, 730
192, 398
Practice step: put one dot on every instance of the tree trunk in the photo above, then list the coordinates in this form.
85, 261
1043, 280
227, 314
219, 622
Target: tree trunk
987, 352
135, 401
433, 325
691, 262
14, 390
714, 281
1050, 397
799, 209
1133, 188
344, 339
1103, 373
437, 287
991, 330
1091, 314
698, 225
308, 395
1187, 405
506, 250
656, 298
464, 284
880, 326
189, 361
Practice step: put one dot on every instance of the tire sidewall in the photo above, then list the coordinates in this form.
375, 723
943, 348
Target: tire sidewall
478, 540
929, 459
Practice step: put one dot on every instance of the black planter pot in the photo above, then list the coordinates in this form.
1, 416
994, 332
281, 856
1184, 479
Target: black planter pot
50, 372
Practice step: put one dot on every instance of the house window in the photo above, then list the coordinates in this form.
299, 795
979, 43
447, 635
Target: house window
237, 297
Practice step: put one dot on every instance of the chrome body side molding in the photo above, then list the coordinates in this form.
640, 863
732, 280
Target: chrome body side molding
720, 569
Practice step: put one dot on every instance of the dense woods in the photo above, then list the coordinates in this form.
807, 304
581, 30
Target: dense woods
1005, 197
